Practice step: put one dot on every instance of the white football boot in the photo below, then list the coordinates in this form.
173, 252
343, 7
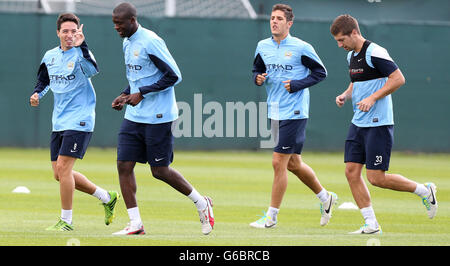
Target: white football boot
366, 229
430, 201
327, 207
131, 229
207, 217
264, 222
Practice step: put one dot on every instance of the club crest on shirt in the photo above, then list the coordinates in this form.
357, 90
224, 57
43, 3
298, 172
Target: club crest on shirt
136, 53
70, 65
288, 54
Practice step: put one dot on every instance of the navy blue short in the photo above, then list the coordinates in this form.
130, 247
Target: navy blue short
145, 143
290, 135
370, 146
71, 143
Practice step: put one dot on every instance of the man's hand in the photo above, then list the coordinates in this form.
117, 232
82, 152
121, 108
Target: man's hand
119, 102
366, 104
287, 85
34, 99
134, 99
79, 36
340, 100
346, 95
260, 78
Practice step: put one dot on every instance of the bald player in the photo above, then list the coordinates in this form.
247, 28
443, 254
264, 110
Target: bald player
145, 135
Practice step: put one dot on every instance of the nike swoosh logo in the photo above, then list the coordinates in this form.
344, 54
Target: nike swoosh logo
158, 159
329, 206
284, 148
433, 201
266, 226
376, 231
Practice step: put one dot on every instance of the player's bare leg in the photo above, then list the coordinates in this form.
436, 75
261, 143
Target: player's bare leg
70, 180
63, 167
280, 179
307, 175
358, 187
82, 183
62, 171
173, 178
128, 187
361, 195
176, 180
127, 182
396, 182
304, 172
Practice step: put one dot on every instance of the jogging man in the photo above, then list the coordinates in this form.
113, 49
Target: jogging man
67, 71
145, 135
374, 77
288, 66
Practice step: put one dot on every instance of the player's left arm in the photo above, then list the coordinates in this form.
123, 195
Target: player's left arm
160, 56
88, 64
387, 67
394, 81
168, 79
317, 72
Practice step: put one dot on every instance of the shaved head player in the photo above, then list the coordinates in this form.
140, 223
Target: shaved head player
145, 135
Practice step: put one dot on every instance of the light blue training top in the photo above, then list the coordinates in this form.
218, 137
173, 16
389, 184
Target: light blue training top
293, 59
158, 106
381, 113
68, 75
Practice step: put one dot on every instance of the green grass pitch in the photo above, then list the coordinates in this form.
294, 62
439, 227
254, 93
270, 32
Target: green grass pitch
240, 186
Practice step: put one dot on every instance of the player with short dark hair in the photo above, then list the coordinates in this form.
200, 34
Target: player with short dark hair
374, 77
146, 132
288, 66
66, 70
65, 17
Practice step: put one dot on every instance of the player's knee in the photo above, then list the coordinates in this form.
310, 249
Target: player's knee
293, 166
160, 173
352, 175
376, 179
60, 170
123, 168
278, 164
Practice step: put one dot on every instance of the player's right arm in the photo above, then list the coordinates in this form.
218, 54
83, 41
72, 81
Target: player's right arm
41, 87
34, 99
260, 78
346, 95
259, 69
120, 100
